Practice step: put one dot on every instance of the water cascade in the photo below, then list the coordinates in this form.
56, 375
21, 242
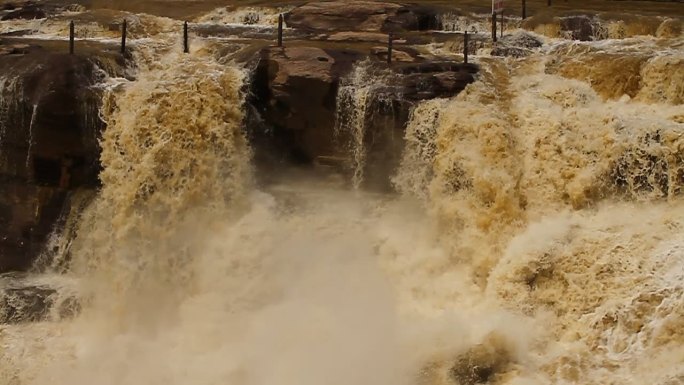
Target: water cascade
562, 206
30, 138
533, 234
363, 98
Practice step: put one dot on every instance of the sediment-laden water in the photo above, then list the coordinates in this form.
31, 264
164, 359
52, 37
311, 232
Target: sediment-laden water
535, 236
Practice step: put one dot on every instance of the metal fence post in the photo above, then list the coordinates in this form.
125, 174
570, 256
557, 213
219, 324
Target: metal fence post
280, 30
465, 47
71, 37
186, 47
124, 28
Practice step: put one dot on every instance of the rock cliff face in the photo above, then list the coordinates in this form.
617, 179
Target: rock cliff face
49, 121
295, 90
363, 16
297, 94
28, 9
49, 127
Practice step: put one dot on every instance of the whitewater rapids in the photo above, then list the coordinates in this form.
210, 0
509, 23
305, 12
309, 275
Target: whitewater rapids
536, 237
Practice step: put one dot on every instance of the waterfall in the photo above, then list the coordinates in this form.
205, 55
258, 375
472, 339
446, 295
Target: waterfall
185, 163
415, 171
534, 235
562, 204
361, 96
34, 113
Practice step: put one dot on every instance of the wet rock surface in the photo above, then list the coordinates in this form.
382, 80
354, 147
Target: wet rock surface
49, 121
579, 27
22, 301
519, 44
434, 79
27, 304
29, 10
294, 91
482, 363
49, 128
296, 94
362, 16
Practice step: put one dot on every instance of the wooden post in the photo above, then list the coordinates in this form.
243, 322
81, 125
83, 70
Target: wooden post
280, 30
124, 27
465, 47
71, 37
494, 27
186, 47
389, 47
524, 10
502, 22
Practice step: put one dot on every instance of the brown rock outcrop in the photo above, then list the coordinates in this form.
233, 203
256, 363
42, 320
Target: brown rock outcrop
296, 90
362, 16
28, 10
34, 303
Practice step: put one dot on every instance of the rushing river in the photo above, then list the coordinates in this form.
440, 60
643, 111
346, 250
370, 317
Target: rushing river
535, 236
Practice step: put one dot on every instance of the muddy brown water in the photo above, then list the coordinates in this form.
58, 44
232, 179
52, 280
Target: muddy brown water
191, 8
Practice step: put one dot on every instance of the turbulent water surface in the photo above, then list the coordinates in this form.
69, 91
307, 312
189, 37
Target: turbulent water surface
536, 236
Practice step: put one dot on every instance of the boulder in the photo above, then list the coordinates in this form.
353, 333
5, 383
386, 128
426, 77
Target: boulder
430, 80
26, 304
521, 39
510, 51
519, 44
578, 27
370, 16
24, 301
483, 363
